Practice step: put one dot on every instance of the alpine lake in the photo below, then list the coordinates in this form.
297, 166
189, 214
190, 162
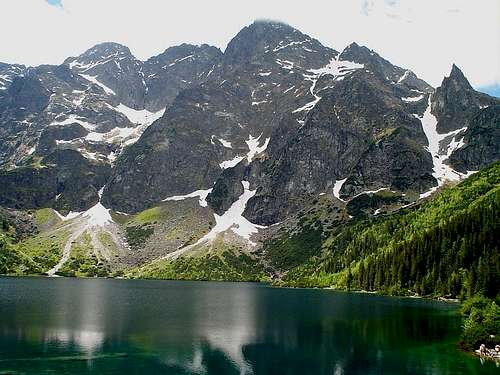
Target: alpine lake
107, 326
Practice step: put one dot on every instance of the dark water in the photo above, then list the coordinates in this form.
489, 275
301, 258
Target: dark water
96, 326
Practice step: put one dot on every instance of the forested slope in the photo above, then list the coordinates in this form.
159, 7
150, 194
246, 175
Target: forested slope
447, 246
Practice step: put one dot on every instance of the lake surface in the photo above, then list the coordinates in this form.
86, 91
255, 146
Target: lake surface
99, 326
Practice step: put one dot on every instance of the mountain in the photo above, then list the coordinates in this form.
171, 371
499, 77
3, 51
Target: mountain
93, 105
119, 164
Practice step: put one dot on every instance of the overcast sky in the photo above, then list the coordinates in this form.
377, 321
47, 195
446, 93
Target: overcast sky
426, 36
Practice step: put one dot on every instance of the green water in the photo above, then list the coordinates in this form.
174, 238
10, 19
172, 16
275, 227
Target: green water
98, 326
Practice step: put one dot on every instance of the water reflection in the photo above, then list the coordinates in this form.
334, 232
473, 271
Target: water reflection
111, 326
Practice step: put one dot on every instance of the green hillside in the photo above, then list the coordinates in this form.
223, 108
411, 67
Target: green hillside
447, 246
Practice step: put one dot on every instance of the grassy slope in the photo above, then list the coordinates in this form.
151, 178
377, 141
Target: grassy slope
220, 262
36, 254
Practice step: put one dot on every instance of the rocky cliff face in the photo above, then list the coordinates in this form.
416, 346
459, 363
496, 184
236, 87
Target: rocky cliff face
290, 118
470, 122
359, 137
455, 102
64, 180
176, 69
479, 143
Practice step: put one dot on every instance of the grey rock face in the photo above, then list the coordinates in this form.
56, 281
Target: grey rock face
7, 74
174, 156
360, 130
375, 62
176, 69
114, 66
94, 104
481, 141
456, 102
152, 84
227, 188
65, 180
50, 135
246, 93
471, 119
265, 41
26, 94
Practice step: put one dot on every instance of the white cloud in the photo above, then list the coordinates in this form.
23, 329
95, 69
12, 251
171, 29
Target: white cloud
426, 36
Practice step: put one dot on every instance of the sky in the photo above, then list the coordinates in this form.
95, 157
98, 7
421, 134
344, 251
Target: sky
426, 36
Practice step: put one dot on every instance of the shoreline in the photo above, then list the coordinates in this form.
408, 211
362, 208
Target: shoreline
454, 301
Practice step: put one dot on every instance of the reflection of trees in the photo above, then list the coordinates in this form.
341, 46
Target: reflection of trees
353, 334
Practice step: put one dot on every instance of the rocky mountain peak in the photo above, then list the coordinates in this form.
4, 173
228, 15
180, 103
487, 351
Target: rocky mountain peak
456, 102
175, 69
373, 61
457, 79
104, 51
261, 38
357, 53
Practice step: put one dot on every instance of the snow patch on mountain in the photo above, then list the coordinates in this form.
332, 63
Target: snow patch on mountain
201, 194
285, 64
179, 60
142, 116
94, 80
224, 143
254, 148
441, 171
412, 99
98, 215
72, 118
231, 162
71, 215
127, 135
404, 76
281, 46
232, 219
454, 144
115, 135
337, 68
336, 188
258, 103
83, 67
4, 81
372, 192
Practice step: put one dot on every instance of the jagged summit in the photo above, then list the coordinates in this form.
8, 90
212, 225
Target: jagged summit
271, 26
457, 77
456, 102
263, 39
370, 58
106, 47
354, 49
100, 52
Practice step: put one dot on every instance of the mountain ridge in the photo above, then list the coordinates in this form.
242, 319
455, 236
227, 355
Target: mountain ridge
238, 143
